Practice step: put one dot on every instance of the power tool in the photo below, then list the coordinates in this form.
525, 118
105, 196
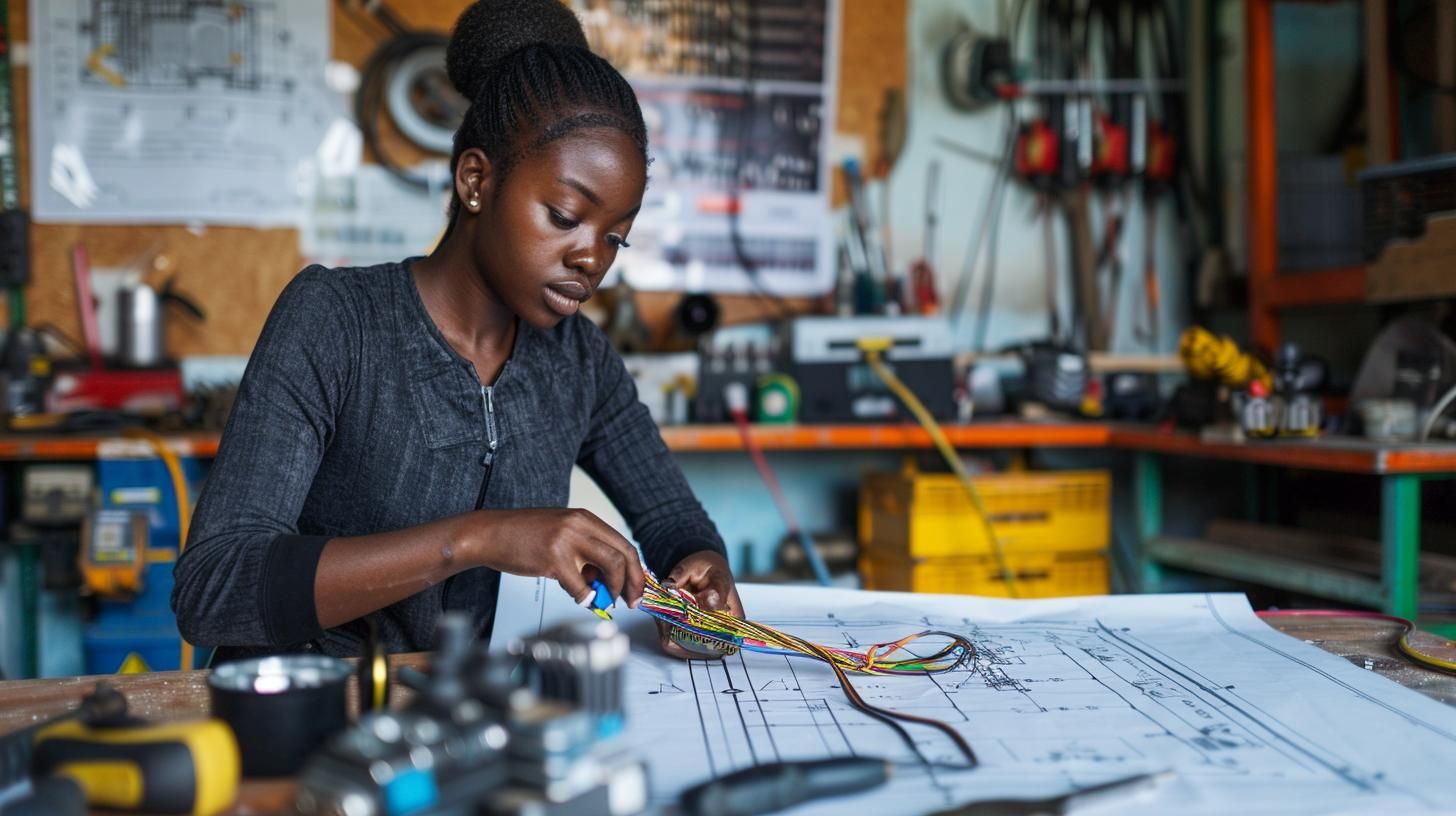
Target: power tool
124, 763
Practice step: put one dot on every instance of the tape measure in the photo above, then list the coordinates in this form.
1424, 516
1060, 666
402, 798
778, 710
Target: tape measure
776, 400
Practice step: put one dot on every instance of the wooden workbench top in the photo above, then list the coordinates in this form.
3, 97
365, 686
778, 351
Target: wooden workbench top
176, 695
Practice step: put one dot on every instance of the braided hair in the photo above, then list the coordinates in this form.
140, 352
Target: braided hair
532, 79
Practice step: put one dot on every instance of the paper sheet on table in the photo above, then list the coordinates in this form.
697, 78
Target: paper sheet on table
1063, 693
176, 110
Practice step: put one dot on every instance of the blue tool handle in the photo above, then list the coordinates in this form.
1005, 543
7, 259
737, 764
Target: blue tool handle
603, 599
775, 786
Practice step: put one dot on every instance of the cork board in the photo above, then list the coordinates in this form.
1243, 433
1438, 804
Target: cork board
235, 273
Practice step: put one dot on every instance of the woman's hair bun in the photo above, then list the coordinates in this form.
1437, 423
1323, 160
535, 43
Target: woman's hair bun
490, 29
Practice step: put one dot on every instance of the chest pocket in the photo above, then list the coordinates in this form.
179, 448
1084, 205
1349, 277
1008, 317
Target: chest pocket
449, 407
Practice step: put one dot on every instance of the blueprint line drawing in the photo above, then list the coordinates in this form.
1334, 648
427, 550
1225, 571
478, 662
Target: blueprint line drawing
177, 110
1062, 694
182, 43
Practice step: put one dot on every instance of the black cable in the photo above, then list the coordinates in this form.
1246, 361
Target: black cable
988, 284
889, 718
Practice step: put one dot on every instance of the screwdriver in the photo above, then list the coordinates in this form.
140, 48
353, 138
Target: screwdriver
129, 764
778, 785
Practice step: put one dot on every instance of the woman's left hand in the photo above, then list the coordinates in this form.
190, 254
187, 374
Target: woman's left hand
706, 575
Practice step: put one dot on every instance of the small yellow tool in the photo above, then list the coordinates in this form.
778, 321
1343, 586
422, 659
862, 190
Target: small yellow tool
128, 764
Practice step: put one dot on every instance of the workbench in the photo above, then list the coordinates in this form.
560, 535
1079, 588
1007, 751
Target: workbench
179, 695
1400, 470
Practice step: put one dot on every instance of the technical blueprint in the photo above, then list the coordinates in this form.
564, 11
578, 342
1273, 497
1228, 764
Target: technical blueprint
1063, 693
176, 110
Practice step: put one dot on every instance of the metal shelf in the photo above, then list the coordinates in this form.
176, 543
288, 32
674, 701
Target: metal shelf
1241, 564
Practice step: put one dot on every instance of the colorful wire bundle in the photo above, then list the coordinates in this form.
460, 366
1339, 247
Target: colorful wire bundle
679, 608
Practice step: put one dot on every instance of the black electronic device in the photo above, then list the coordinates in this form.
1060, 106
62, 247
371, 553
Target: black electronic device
14, 248
26, 373
1055, 376
825, 359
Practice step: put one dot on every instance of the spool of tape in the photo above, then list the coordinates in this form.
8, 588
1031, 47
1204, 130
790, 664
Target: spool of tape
282, 709
776, 399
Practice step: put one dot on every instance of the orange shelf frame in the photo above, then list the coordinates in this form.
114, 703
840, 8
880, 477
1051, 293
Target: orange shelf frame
690, 438
1270, 290
1344, 455
1320, 287
80, 448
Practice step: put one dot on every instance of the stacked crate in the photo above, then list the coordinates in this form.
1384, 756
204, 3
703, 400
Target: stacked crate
919, 532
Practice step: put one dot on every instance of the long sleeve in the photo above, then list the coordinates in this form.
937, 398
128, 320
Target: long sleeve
246, 576
625, 454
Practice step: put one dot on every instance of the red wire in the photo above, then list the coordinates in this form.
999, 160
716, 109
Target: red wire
741, 420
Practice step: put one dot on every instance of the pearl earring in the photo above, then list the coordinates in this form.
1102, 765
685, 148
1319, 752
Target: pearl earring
473, 203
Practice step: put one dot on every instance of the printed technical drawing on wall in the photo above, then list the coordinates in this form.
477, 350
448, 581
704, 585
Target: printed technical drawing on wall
738, 131
175, 110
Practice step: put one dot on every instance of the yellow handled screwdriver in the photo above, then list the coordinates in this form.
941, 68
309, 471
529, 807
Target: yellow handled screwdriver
129, 764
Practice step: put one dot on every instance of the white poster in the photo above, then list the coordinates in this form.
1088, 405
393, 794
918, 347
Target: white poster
175, 110
728, 113
370, 217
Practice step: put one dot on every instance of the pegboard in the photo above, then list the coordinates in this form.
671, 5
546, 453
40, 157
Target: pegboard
236, 273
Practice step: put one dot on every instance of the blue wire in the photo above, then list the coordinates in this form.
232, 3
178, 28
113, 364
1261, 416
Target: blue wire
816, 562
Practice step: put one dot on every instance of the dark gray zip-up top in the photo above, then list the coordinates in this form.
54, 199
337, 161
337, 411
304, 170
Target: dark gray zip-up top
355, 416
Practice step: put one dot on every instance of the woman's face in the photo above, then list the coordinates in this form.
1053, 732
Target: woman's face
551, 230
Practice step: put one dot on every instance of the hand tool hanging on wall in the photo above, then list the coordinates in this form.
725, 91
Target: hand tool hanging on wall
1159, 168
1110, 121
922, 272
1167, 168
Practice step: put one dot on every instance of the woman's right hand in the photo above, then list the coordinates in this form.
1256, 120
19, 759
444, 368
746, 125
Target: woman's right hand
572, 546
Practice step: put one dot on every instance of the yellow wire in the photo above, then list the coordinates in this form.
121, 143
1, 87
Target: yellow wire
184, 510
1409, 650
947, 452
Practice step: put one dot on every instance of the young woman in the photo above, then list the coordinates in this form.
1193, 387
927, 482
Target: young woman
405, 433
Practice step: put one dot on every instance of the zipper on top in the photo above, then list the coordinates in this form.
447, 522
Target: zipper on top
487, 399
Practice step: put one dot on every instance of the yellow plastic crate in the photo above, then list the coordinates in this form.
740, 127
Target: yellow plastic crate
928, 515
1037, 575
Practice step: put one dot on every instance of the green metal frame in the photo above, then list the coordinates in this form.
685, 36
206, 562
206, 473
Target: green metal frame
1148, 481
29, 608
1400, 536
1400, 544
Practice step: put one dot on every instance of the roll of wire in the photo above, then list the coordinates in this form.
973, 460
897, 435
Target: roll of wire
405, 79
